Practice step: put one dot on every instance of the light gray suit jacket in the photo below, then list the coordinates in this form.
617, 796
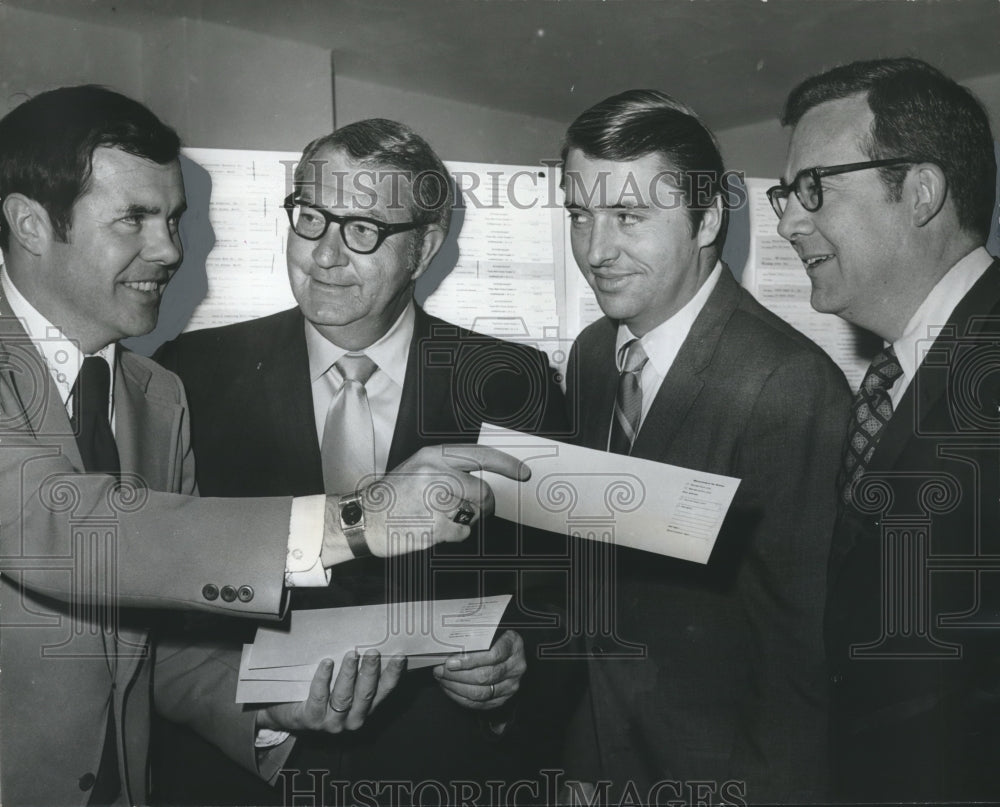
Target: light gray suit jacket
78, 552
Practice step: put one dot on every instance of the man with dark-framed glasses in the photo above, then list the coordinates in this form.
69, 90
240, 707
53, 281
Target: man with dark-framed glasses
912, 612
339, 389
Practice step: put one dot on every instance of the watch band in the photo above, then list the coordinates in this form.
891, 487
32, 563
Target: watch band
352, 522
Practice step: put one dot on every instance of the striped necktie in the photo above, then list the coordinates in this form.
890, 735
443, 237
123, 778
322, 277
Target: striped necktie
628, 402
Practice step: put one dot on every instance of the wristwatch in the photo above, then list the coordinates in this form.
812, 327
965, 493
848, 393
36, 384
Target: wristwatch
352, 522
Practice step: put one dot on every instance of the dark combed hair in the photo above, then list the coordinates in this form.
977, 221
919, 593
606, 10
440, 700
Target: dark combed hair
47, 144
920, 114
636, 123
379, 143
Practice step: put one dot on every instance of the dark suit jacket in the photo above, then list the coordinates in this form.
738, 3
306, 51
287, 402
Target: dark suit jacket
913, 618
253, 432
76, 548
731, 685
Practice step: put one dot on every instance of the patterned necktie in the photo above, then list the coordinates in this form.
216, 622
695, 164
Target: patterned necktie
628, 402
870, 413
349, 436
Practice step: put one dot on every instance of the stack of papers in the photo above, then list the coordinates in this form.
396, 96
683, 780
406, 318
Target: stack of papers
280, 663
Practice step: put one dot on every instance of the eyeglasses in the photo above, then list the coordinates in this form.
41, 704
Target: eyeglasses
808, 186
361, 235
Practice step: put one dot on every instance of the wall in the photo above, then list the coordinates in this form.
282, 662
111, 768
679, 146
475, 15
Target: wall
224, 87
759, 148
39, 52
457, 131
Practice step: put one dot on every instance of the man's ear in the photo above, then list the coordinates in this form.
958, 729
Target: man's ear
928, 191
434, 237
711, 223
28, 222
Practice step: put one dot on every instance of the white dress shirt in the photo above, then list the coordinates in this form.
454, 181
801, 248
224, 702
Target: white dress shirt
663, 343
63, 358
928, 320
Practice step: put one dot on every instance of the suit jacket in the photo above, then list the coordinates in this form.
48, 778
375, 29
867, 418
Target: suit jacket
913, 614
730, 683
254, 433
77, 550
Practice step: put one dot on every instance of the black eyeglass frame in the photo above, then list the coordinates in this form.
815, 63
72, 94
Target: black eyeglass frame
778, 193
384, 229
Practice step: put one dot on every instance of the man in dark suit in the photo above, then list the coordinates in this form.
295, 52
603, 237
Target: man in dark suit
263, 395
913, 609
98, 524
713, 679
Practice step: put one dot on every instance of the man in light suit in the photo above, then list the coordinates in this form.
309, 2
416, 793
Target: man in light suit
97, 518
887, 196
724, 693
260, 394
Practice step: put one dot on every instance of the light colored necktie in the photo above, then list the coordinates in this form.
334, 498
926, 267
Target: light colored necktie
870, 413
628, 402
349, 436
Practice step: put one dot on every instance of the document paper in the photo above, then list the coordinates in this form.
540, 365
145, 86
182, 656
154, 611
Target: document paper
279, 665
611, 497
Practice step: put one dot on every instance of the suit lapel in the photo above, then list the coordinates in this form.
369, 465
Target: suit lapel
147, 428
597, 375
927, 395
284, 362
28, 395
682, 384
425, 396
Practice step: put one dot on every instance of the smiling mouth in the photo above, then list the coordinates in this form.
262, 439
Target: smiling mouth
815, 260
145, 286
610, 282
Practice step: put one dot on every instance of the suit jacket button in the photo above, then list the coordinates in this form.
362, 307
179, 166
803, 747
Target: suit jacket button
210, 591
245, 593
228, 593
87, 781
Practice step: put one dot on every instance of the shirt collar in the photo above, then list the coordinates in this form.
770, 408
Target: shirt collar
390, 352
662, 342
934, 312
61, 354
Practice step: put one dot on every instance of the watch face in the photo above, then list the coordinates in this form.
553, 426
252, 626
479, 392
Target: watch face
351, 514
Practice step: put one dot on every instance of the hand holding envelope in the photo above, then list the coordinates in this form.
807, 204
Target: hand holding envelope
283, 663
360, 686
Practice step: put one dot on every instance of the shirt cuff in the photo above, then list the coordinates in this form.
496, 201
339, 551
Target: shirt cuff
305, 543
268, 738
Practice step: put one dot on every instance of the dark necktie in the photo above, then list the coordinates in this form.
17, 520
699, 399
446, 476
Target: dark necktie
96, 441
348, 436
91, 399
870, 413
628, 402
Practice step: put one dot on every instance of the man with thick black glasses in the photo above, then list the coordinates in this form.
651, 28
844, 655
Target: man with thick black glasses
889, 201
341, 389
